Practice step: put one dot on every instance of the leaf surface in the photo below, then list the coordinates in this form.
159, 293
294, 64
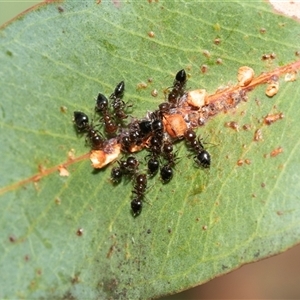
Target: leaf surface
204, 222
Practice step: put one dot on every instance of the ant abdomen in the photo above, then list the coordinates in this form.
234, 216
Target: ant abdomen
166, 173
203, 159
153, 166
81, 121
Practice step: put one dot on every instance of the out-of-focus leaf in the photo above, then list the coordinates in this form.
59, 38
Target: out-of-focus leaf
204, 222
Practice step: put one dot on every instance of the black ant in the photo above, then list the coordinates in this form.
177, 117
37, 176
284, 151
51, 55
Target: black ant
155, 145
178, 87
203, 157
116, 174
96, 140
166, 171
139, 190
145, 127
126, 143
155, 142
164, 107
132, 137
131, 165
168, 153
139, 132
118, 104
152, 126
102, 108
82, 125
126, 167
157, 132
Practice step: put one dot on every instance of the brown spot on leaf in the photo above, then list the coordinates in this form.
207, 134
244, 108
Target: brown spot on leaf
60, 9
206, 53
217, 41
247, 161
272, 89
151, 34
219, 61
233, 125
79, 231
71, 154
117, 3
57, 200
277, 151
63, 109
110, 285
111, 250
240, 162
262, 30
290, 77
246, 127
75, 279
245, 75
204, 69
154, 93
257, 135
265, 56
141, 86
63, 171
12, 239
271, 118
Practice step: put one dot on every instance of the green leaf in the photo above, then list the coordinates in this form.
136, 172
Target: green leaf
204, 222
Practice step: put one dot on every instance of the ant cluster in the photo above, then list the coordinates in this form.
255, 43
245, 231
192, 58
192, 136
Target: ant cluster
157, 132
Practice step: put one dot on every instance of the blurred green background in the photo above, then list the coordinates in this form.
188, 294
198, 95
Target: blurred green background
9, 9
274, 278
